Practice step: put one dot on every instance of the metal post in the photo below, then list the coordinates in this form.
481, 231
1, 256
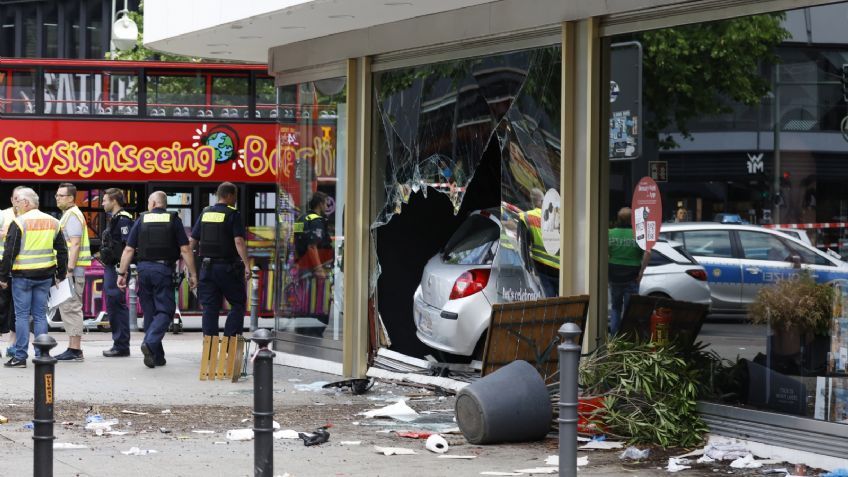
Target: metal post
254, 298
42, 433
263, 405
569, 357
133, 298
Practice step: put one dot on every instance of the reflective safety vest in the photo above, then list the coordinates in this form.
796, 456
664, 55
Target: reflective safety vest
84, 257
156, 239
533, 220
216, 237
7, 216
38, 230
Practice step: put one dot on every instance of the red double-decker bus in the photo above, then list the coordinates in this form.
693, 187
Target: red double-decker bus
143, 126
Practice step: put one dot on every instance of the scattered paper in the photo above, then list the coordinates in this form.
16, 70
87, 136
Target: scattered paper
582, 461
725, 451
453, 456
490, 472
136, 413
350, 443
286, 434
101, 425
218, 443
4, 419
68, 445
694, 453
602, 445
705, 459
399, 410
314, 387
676, 465
539, 470
240, 434
117, 433
747, 462
393, 450
165, 411
137, 451
202, 431
437, 444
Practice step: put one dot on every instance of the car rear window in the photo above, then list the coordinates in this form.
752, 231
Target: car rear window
473, 243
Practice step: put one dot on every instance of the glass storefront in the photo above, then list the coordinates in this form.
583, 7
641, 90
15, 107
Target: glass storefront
310, 162
743, 125
466, 158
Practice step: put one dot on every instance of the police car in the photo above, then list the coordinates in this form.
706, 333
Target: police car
741, 259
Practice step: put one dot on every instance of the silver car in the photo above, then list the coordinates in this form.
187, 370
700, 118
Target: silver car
673, 273
453, 304
741, 259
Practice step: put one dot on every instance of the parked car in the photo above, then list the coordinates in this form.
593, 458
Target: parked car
740, 259
452, 306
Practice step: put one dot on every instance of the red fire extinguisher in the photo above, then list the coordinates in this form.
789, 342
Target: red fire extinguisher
660, 324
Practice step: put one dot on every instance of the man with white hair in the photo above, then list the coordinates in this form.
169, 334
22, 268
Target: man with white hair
34, 257
158, 238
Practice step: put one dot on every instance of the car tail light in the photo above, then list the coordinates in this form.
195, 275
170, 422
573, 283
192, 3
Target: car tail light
697, 274
470, 283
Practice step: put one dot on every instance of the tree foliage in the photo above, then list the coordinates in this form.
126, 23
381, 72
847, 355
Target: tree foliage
702, 69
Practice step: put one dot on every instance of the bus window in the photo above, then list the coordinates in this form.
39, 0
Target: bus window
177, 96
2, 92
67, 93
116, 94
22, 97
180, 202
229, 97
266, 99
263, 209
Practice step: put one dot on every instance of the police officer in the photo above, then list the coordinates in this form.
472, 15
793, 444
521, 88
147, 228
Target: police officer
159, 239
314, 253
35, 256
545, 264
219, 232
7, 304
111, 246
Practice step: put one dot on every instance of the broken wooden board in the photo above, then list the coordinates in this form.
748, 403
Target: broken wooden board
528, 330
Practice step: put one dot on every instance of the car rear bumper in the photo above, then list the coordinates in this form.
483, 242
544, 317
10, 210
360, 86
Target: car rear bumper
452, 335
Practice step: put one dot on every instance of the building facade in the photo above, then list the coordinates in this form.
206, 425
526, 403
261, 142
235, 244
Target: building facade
422, 112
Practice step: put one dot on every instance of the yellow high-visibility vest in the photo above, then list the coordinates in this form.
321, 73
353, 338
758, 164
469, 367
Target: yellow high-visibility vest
84, 258
7, 216
533, 220
38, 230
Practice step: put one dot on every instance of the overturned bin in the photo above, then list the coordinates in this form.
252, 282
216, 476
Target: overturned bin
510, 405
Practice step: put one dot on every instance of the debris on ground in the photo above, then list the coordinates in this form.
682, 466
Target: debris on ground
240, 434
393, 450
747, 462
399, 410
138, 451
452, 456
413, 435
68, 445
286, 434
539, 470
137, 413
676, 465
350, 443
436, 443
602, 445
634, 453
318, 437
554, 460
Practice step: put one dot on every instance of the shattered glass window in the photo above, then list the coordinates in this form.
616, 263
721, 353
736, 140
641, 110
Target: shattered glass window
456, 137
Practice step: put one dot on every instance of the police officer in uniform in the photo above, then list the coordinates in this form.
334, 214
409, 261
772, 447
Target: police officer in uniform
159, 239
36, 256
545, 264
314, 253
111, 247
220, 234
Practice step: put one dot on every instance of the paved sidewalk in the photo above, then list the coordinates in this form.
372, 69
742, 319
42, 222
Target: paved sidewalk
111, 385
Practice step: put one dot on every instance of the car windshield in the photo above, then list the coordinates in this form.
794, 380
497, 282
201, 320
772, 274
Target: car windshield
473, 243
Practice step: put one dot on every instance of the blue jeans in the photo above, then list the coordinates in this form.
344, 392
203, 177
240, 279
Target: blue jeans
619, 299
156, 293
219, 281
30, 296
116, 308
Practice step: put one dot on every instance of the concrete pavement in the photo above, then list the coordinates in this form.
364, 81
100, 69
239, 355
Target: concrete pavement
111, 385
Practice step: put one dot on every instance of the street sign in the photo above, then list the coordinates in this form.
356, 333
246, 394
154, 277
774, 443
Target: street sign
647, 213
658, 170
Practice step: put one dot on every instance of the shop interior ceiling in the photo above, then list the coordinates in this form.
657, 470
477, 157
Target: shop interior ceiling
456, 137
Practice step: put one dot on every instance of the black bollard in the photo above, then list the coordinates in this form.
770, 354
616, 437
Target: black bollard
569, 358
42, 433
263, 405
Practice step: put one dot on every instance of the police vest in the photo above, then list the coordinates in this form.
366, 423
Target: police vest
38, 230
216, 234
533, 220
156, 240
7, 216
84, 258
111, 249
304, 234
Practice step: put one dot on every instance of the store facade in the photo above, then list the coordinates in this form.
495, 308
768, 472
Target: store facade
428, 107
